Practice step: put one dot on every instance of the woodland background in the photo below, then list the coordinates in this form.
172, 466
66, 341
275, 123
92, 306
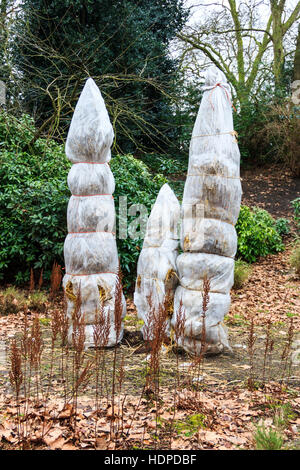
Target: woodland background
148, 58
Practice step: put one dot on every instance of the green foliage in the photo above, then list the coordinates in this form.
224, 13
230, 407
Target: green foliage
186, 110
247, 123
267, 439
282, 226
283, 415
37, 301
271, 438
15, 133
191, 425
45, 321
33, 201
257, 235
296, 205
165, 165
242, 271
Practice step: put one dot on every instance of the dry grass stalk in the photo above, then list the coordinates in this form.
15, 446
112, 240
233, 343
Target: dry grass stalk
16, 377
55, 329
36, 346
198, 361
26, 353
205, 301
155, 336
179, 329
36, 349
25, 339
268, 345
84, 375
15, 374
31, 282
40, 283
55, 326
118, 313
78, 342
101, 329
285, 356
101, 333
55, 280
64, 324
250, 343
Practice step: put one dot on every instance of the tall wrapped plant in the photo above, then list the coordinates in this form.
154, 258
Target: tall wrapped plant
210, 208
156, 269
91, 258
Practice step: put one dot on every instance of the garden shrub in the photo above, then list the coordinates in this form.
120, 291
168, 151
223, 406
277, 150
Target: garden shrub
282, 226
257, 235
296, 205
33, 200
165, 164
13, 300
242, 271
281, 131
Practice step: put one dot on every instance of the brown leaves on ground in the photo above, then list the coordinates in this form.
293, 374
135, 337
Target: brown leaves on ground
272, 292
228, 420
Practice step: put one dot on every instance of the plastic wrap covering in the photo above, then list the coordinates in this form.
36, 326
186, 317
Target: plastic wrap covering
212, 236
193, 267
210, 208
156, 269
85, 178
90, 135
97, 292
84, 255
219, 199
91, 258
90, 214
191, 304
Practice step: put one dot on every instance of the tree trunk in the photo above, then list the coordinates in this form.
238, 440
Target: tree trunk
296, 71
278, 50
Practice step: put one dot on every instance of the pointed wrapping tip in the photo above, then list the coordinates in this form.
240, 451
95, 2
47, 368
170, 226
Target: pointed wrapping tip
164, 216
163, 221
213, 76
166, 193
214, 117
90, 134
